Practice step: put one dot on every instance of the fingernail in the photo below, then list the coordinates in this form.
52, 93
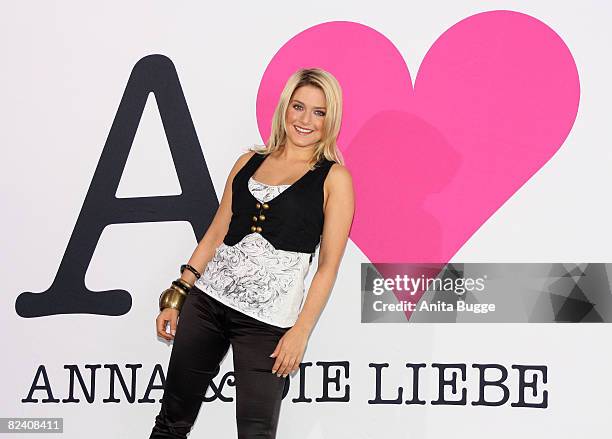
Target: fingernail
173, 332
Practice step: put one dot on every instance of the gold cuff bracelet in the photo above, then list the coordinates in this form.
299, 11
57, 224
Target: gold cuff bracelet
174, 297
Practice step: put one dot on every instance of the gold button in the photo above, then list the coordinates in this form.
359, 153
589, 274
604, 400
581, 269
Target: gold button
261, 217
258, 205
265, 206
259, 229
254, 218
253, 229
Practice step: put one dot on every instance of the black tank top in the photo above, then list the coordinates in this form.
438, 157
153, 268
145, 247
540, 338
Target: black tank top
292, 220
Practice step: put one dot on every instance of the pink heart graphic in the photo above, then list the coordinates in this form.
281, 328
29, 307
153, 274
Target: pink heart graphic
495, 97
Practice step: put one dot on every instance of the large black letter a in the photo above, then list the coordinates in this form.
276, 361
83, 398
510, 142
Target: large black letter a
197, 203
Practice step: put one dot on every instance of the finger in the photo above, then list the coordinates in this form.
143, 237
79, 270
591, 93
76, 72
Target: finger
292, 366
283, 369
161, 328
296, 366
159, 325
279, 362
163, 335
173, 327
275, 351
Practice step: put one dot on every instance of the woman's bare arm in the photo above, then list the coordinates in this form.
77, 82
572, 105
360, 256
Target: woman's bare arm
218, 227
339, 210
205, 249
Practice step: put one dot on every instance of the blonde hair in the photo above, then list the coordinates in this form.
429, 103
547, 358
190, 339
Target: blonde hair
327, 83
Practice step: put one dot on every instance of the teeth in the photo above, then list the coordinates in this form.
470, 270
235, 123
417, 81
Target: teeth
302, 130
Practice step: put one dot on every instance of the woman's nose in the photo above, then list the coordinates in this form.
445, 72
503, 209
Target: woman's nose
304, 120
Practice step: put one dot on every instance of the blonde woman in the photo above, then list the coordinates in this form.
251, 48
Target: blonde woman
244, 284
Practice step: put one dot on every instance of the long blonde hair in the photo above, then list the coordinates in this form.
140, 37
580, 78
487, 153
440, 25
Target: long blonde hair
327, 83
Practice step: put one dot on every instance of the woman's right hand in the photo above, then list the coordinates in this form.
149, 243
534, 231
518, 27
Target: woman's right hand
167, 315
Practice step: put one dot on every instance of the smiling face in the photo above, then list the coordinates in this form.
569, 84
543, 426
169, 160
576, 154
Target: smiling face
305, 116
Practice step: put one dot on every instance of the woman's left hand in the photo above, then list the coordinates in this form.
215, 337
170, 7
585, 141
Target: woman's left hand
290, 351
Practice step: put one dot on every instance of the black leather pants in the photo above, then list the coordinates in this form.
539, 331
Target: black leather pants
205, 330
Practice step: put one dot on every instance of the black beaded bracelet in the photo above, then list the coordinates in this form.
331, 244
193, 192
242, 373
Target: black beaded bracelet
190, 268
182, 286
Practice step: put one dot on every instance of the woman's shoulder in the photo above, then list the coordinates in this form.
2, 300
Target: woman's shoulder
332, 163
242, 160
247, 156
338, 173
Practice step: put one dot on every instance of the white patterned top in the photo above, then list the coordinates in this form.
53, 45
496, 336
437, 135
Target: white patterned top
254, 277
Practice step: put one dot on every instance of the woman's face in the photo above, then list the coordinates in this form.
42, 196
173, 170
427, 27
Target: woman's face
305, 116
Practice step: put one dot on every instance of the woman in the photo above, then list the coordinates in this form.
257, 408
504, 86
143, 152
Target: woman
244, 283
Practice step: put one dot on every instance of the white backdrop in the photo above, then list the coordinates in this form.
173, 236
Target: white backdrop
65, 67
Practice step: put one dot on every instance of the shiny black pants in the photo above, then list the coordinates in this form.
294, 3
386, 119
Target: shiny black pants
205, 330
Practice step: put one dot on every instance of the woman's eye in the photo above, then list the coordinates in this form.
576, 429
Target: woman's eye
299, 108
